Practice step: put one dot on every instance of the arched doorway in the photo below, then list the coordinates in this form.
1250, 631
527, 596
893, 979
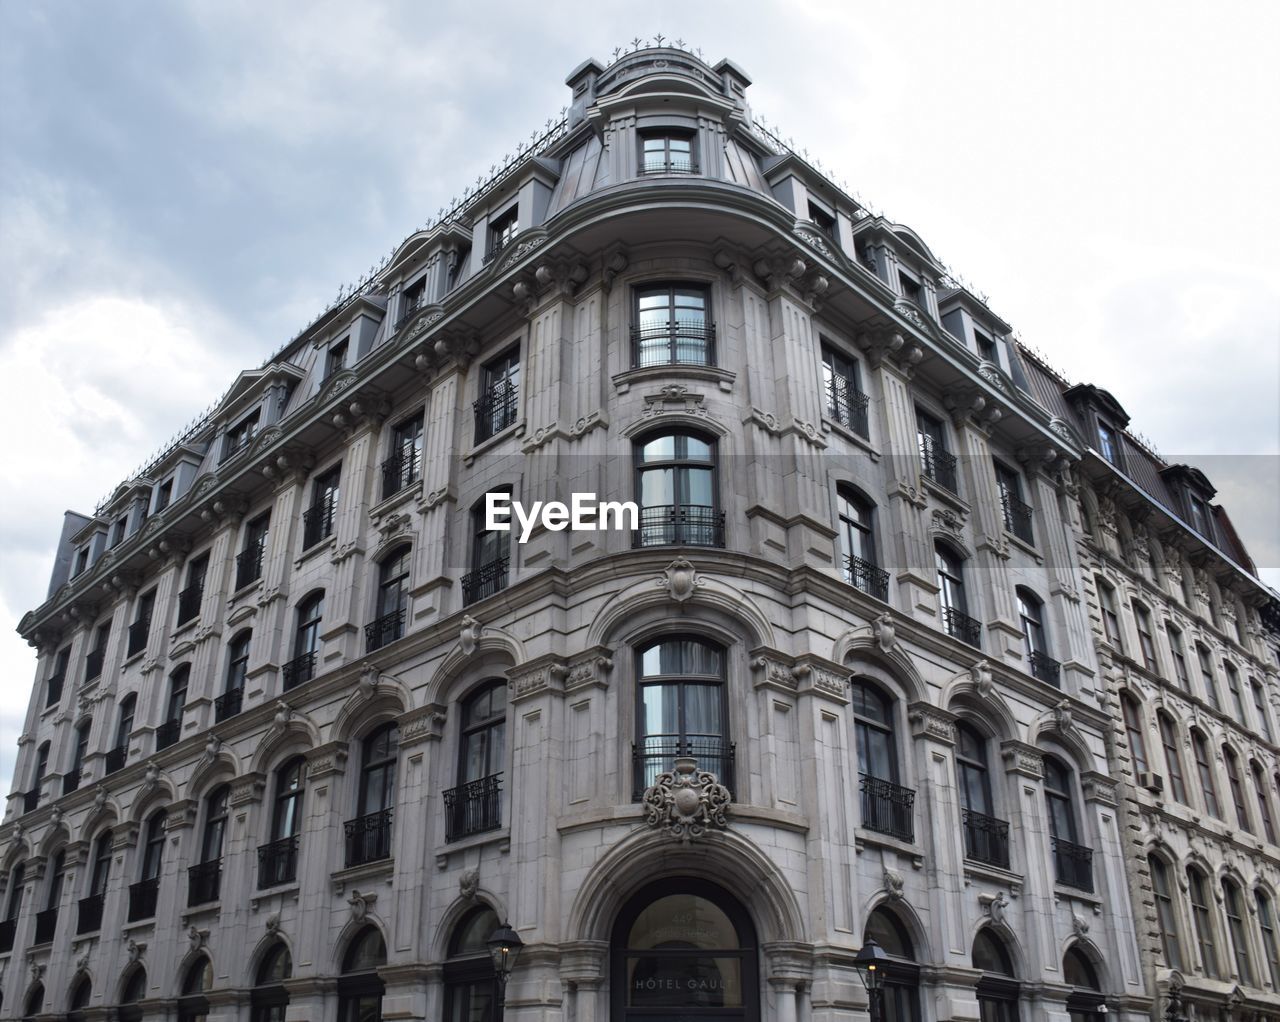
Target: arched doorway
683, 949
900, 995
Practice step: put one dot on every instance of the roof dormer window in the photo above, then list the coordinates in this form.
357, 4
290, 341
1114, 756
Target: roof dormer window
1200, 520
823, 220
1109, 441
238, 438
502, 230
911, 288
336, 358
986, 347
667, 153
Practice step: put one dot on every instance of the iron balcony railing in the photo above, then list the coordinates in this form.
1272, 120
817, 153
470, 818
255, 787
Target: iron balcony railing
484, 581
384, 630
189, 603
89, 914
401, 469
46, 925
228, 705
234, 443
888, 808
1017, 516
93, 664
204, 882
167, 734
369, 838
961, 626
138, 632
1074, 864
498, 243
938, 464
986, 839
249, 564
1046, 668
412, 303
848, 405
689, 342
496, 409
114, 759
70, 781
142, 899
317, 520
473, 807
300, 669
8, 929
278, 862
656, 754
670, 165
687, 524
867, 577
31, 800
53, 688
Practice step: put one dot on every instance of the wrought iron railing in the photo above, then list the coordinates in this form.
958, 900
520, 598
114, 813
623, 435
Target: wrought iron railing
496, 409
114, 759
70, 781
167, 734
656, 754
204, 882
8, 929
473, 807
669, 165
848, 405
31, 799
138, 632
189, 602
1017, 516
961, 626
53, 688
300, 669
1046, 668
142, 899
317, 520
46, 925
384, 630
986, 839
484, 581
1074, 864
498, 243
249, 564
938, 464
278, 862
89, 914
688, 524
399, 470
412, 303
93, 664
369, 838
888, 808
691, 342
866, 576
228, 704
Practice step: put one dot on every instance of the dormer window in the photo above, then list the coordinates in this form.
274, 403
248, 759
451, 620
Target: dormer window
823, 220
911, 288
502, 230
458, 265
82, 561
1109, 440
412, 298
667, 153
1200, 516
164, 495
336, 358
237, 439
118, 529
986, 347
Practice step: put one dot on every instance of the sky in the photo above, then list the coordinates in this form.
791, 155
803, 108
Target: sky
185, 185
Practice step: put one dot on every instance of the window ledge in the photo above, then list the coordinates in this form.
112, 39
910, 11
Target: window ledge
139, 924
210, 909
500, 837
863, 837
516, 428
389, 504
382, 869
857, 439
1024, 546
245, 590
1060, 891
628, 378
185, 626
974, 868
943, 494
278, 890
329, 542
133, 659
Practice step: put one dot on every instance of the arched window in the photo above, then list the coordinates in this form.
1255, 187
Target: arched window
269, 998
71, 780
676, 484
1172, 756
1236, 787
986, 839
1267, 925
1264, 803
681, 710
360, 989
998, 987
899, 998
1133, 729
90, 907
81, 994
135, 991
47, 919
232, 699
1085, 1003
193, 1005
1073, 861
887, 807
204, 880
1166, 912
952, 600
1204, 767
468, 974
13, 905
1035, 639
35, 1001
1233, 905
170, 731
143, 894
393, 599
858, 544
306, 643
1202, 921
490, 554
369, 835
278, 858
474, 805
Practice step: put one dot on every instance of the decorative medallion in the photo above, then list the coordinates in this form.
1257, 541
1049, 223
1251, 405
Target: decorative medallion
686, 801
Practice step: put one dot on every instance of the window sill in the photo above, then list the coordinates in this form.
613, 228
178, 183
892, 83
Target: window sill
515, 429
276, 891
367, 871
209, 909
1060, 891
985, 871
184, 626
389, 504
134, 658
245, 590
857, 439
863, 837
1023, 545
501, 837
943, 494
139, 924
329, 542
628, 378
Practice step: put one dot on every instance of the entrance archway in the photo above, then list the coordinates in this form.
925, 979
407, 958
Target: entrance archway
683, 949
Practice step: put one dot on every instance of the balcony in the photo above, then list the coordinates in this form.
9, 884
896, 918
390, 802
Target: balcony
138, 632
31, 800
298, 670
888, 808
865, 576
1073, 864
115, 759
986, 839
89, 916
496, 409
93, 664
498, 244
1046, 668
228, 705
167, 734
249, 564
189, 603
53, 688
70, 781
961, 626
278, 862
204, 882
142, 899
317, 520
655, 164
369, 838
8, 929
1017, 516
656, 754
384, 630
692, 342
679, 524
46, 925
937, 463
848, 406
473, 807
400, 470
484, 581
412, 303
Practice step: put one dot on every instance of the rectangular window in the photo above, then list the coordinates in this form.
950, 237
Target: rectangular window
193, 593
1179, 658
1260, 704
1205, 769
496, 407
1202, 922
1110, 443
164, 495
119, 529
502, 231
318, 519
986, 347
412, 298
1208, 677
1172, 758
458, 263
823, 220
240, 436
489, 559
936, 461
846, 403
1237, 696
1146, 642
668, 154
911, 288
53, 688
93, 659
672, 327
1110, 620
1200, 516
82, 561
1016, 511
335, 358
141, 627
404, 466
249, 560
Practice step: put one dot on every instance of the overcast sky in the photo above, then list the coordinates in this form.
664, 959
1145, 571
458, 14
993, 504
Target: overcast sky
184, 185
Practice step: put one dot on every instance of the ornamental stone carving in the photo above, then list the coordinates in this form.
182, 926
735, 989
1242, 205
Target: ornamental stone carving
885, 632
980, 674
994, 905
469, 884
930, 722
680, 579
136, 950
360, 904
469, 634
686, 801
894, 884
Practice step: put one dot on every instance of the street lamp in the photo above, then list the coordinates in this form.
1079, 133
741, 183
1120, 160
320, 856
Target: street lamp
870, 962
504, 948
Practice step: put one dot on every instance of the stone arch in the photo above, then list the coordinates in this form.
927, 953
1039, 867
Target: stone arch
291, 733
211, 771
377, 698
101, 816
455, 913
1089, 950
974, 695
485, 648
259, 952
55, 836
861, 653
185, 964
388, 546
642, 424
126, 977
350, 929
1004, 933
1053, 727
19, 850
162, 792
81, 975
905, 913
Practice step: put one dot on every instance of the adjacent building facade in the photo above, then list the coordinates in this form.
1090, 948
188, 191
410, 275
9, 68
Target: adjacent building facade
306, 729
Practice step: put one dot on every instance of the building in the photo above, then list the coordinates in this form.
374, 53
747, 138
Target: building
306, 730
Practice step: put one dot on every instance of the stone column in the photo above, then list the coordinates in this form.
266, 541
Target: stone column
583, 971
345, 605
438, 564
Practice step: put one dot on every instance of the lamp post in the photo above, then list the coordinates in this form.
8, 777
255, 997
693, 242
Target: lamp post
870, 962
504, 947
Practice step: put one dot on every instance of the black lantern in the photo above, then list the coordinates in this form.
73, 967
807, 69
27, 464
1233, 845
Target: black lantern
504, 948
870, 962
